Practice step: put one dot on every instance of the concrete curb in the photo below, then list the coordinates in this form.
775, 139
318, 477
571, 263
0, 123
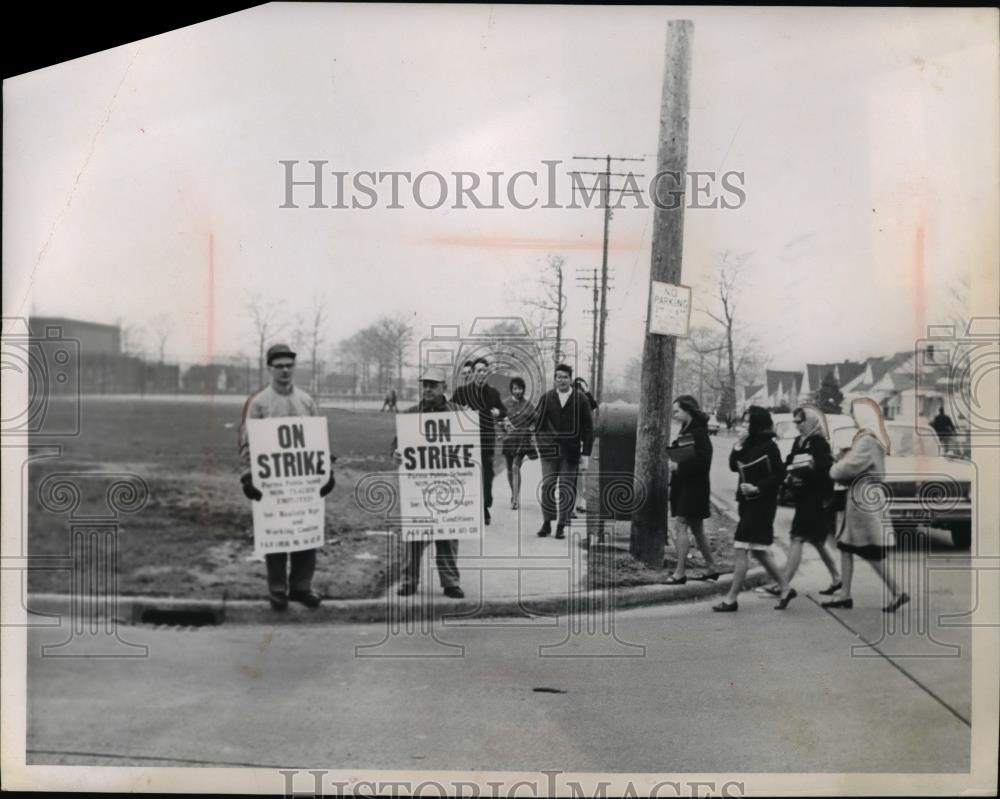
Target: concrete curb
420, 606
198, 612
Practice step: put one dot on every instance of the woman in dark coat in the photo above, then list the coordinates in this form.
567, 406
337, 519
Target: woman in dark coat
757, 459
517, 440
690, 488
808, 466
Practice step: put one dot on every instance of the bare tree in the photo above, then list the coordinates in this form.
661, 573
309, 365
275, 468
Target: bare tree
548, 299
265, 317
161, 327
132, 337
394, 335
317, 321
724, 313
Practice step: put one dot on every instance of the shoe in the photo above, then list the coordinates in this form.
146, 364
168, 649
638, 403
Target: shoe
792, 593
833, 589
546, 530
278, 600
454, 592
561, 531
406, 590
896, 604
308, 598
513, 504
674, 580
773, 590
726, 607
707, 576
847, 604
486, 516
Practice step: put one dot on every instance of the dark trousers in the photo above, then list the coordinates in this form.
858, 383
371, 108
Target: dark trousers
303, 568
488, 453
558, 473
446, 552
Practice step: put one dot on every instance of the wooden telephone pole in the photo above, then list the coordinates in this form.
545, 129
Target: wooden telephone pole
649, 522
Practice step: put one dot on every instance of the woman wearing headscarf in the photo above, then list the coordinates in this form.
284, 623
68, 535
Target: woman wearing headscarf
808, 477
757, 459
864, 533
690, 489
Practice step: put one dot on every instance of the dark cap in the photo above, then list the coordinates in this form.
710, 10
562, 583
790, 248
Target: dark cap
279, 351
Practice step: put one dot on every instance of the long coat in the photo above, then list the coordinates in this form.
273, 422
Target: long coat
756, 524
690, 488
864, 525
812, 489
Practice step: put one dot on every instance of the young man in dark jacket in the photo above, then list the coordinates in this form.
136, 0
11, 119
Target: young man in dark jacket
480, 396
564, 434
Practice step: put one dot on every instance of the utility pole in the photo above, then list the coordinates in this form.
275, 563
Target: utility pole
604, 187
560, 308
592, 282
649, 522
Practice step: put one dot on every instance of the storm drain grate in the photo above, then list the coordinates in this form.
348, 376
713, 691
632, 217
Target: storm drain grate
180, 618
548, 690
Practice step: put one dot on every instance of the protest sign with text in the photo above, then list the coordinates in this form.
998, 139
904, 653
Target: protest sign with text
439, 476
290, 460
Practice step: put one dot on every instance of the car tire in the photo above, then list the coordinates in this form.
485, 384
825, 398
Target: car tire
961, 536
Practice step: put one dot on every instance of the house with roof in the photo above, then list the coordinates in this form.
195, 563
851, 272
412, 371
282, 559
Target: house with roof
782, 388
904, 386
814, 374
747, 395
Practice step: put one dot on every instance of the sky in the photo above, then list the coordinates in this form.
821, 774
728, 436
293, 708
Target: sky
144, 183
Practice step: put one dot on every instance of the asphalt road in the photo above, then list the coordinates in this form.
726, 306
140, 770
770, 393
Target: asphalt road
677, 689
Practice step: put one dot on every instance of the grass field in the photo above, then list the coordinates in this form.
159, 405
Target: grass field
194, 535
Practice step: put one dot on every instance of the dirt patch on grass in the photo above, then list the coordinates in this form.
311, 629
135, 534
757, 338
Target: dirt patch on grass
613, 566
193, 536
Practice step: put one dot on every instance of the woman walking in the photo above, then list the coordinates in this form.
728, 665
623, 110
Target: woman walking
808, 470
690, 488
517, 440
757, 459
865, 533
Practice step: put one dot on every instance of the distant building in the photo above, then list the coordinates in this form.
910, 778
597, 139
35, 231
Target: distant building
94, 338
783, 388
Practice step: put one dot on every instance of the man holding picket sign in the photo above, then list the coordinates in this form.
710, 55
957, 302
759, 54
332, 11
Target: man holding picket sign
292, 462
440, 497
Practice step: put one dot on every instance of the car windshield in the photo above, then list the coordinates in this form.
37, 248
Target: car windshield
786, 430
906, 440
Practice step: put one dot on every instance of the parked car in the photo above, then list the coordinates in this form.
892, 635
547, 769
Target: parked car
925, 487
713, 425
787, 431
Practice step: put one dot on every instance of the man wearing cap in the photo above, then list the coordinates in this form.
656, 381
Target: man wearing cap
480, 396
432, 400
282, 399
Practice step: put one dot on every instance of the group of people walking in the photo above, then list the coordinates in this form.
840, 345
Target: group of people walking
809, 473
558, 429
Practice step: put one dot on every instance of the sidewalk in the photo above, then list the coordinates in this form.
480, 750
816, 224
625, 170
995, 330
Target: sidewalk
510, 572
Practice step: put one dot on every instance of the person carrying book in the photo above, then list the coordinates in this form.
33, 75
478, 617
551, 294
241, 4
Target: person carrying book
690, 489
808, 477
757, 459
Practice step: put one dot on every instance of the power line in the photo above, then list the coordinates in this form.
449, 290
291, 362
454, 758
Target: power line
603, 185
